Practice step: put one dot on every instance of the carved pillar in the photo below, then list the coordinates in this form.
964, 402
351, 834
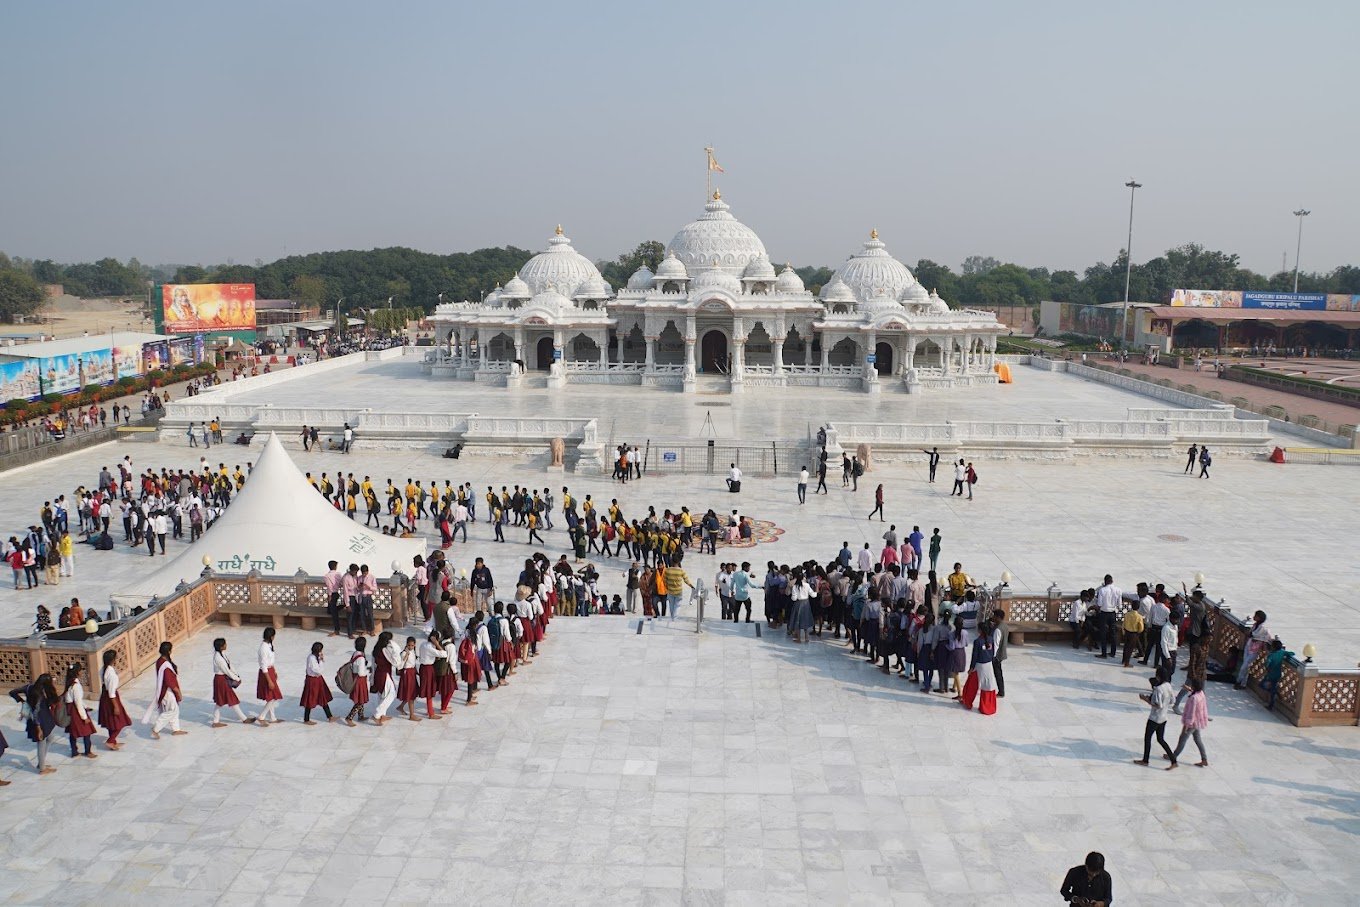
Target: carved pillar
481, 348
871, 349
807, 348
519, 343
604, 350
778, 343
738, 362
650, 361
826, 351
967, 353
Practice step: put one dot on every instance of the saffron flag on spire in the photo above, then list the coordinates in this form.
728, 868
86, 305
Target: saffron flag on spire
713, 161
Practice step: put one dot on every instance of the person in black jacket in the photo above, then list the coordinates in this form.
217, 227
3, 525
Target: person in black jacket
1088, 885
41, 698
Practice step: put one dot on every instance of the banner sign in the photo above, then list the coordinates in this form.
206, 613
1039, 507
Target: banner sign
196, 307
127, 361
155, 356
1207, 299
98, 367
19, 380
60, 374
1293, 302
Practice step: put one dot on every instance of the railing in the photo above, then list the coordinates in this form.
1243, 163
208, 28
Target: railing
1321, 455
1074, 432
527, 429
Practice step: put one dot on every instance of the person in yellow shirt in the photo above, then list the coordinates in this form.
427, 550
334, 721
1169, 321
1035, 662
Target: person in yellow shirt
366, 487
1133, 633
67, 549
959, 582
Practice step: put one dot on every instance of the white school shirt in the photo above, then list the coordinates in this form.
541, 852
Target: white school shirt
75, 697
266, 656
1158, 614
960, 473
314, 666
1108, 598
865, 560
1169, 638
504, 623
408, 658
483, 638
360, 662
110, 681
222, 666
393, 656
802, 476
430, 653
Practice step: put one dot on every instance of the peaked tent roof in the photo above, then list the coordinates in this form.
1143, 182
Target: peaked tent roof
278, 524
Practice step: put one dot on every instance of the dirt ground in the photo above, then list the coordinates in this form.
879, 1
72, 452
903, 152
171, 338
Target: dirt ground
69, 316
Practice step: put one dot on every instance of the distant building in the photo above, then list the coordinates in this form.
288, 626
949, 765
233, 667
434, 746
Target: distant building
282, 311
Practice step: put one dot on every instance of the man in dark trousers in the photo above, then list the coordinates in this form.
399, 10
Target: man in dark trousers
821, 477
934, 454
1088, 885
1205, 461
1002, 632
1192, 456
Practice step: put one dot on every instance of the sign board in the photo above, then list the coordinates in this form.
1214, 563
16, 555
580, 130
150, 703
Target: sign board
871, 358
668, 456
557, 354
1292, 302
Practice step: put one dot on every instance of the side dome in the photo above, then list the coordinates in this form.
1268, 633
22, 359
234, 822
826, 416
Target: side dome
560, 268
937, 303
789, 281
516, 289
641, 279
872, 272
759, 269
915, 294
717, 236
494, 297
671, 269
837, 291
717, 279
593, 288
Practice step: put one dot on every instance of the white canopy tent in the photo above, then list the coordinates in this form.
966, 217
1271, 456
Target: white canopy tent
278, 524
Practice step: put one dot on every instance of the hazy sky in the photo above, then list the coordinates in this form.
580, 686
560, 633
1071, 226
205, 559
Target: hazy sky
201, 132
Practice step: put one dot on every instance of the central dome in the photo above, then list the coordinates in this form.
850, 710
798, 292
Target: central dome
872, 272
717, 236
560, 269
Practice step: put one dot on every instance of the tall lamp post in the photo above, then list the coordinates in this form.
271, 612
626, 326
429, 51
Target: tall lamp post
1300, 214
1133, 186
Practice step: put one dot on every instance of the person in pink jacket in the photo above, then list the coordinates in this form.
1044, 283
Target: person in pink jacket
1194, 719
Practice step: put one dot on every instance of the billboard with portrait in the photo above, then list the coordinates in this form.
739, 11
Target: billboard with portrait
182, 350
19, 380
127, 361
1207, 299
1092, 320
60, 374
98, 367
192, 308
155, 356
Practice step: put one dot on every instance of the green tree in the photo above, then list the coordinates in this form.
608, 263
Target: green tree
939, 278
20, 294
617, 272
308, 291
978, 264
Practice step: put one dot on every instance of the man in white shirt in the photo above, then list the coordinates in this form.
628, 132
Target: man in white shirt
1157, 615
722, 584
865, 561
734, 479
1108, 597
960, 474
802, 485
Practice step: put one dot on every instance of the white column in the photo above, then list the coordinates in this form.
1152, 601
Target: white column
738, 359
967, 353
481, 348
778, 354
826, 351
519, 343
604, 350
650, 361
871, 349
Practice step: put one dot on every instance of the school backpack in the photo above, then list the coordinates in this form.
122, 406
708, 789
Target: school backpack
344, 678
859, 468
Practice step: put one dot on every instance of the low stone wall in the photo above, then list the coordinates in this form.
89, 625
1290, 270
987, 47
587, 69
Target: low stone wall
233, 598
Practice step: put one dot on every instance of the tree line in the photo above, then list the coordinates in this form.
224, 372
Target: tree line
418, 280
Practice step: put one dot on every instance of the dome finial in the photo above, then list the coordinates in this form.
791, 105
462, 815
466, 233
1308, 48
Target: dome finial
559, 229
873, 234
717, 195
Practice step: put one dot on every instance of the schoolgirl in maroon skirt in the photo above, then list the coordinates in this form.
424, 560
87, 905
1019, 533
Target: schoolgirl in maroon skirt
432, 657
112, 716
358, 694
267, 681
468, 664
316, 694
408, 679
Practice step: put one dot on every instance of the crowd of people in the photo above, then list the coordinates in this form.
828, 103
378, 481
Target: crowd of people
483, 649
153, 506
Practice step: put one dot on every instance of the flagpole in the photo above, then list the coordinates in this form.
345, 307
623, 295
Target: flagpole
708, 172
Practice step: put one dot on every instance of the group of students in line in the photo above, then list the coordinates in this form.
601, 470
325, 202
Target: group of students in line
485, 650
916, 626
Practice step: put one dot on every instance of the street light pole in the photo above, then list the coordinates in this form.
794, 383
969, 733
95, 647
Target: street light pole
1300, 214
1133, 186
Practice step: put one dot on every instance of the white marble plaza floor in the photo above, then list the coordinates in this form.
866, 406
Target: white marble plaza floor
670, 768
721, 768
